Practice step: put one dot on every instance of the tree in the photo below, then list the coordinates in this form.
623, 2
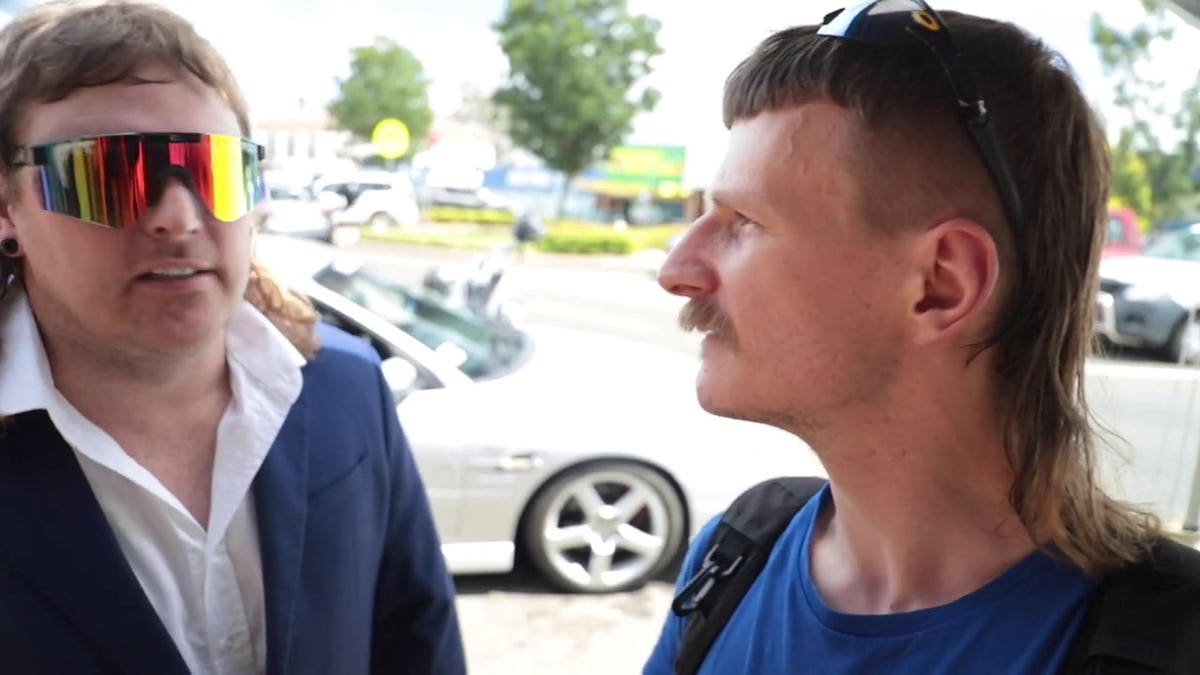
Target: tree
385, 80
572, 89
1149, 175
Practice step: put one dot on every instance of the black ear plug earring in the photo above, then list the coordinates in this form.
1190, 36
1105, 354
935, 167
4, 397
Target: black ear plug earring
10, 247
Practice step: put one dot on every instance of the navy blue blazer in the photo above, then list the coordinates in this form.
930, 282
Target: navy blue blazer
353, 572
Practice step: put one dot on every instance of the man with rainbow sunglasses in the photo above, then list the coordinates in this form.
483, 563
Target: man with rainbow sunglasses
195, 476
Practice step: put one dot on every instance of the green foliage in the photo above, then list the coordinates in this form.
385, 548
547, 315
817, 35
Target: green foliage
481, 239
603, 239
596, 239
458, 214
1131, 180
574, 67
1153, 180
385, 80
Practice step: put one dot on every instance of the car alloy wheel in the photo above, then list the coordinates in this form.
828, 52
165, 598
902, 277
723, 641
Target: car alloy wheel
381, 221
604, 527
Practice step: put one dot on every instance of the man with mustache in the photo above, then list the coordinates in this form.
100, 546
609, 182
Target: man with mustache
899, 267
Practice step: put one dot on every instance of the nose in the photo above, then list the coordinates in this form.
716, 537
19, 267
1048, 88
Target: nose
687, 271
178, 213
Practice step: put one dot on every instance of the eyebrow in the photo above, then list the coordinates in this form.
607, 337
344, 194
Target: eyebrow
754, 199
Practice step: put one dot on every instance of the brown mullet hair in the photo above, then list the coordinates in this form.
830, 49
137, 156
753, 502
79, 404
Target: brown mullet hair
1060, 161
57, 48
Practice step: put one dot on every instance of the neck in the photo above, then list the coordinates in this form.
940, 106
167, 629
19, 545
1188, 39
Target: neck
144, 396
920, 513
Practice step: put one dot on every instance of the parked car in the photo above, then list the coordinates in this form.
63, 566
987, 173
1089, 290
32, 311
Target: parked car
1150, 301
586, 454
464, 198
1124, 235
380, 199
296, 212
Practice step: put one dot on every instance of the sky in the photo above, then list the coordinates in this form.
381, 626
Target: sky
285, 51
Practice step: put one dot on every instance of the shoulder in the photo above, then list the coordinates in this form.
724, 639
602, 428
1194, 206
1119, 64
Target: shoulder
342, 356
343, 375
338, 345
1169, 565
1153, 603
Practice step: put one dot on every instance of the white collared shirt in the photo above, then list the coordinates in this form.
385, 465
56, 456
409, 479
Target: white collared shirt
206, 586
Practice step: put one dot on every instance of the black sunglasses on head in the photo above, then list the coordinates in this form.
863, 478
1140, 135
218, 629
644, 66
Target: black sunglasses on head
890, 23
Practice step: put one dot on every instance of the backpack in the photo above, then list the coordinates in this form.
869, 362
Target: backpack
1142, 619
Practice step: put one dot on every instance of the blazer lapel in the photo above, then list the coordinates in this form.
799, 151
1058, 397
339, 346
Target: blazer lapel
59, 541
281, 501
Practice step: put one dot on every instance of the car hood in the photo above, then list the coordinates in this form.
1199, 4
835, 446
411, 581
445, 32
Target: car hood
584, 395
1177, 279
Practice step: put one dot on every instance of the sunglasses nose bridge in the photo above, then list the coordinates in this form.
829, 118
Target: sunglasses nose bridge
174, 205
173, 173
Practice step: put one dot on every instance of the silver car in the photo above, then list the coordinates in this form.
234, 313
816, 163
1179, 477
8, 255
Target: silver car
295, 211
587, 455
1150, 301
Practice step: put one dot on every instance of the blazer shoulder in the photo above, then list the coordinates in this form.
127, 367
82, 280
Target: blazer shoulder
345, 371
341, 351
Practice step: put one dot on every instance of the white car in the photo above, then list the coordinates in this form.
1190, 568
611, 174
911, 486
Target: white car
380, 199
296, 212
587, 454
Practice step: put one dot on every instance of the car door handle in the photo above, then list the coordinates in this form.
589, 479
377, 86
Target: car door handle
511, 462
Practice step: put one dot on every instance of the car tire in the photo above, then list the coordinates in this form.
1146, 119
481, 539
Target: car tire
381, 221
1184, 345
604, 527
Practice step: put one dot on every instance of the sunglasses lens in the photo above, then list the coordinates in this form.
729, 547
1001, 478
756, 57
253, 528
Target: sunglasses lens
113, 180
882, 22
233, 170
890, 23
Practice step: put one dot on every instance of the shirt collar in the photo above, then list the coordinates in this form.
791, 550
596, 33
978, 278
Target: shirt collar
254, 346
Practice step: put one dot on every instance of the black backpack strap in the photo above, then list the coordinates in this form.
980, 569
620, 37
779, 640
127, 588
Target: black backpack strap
1143, 619
736, 554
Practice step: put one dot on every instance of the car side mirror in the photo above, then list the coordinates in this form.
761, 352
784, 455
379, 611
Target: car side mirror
400, 375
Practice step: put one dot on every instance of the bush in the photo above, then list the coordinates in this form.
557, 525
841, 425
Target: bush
585, 240
581, 238
477, 239
458, 214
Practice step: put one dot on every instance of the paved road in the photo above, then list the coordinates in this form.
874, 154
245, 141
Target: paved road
513, 625
613, 295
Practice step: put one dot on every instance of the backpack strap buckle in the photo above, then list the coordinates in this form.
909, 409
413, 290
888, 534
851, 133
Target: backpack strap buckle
712, 570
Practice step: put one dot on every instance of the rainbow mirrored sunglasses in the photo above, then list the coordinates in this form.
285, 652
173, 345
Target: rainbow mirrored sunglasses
112, 180
890, 23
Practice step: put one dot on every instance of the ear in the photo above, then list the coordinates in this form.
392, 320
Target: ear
959, 266
7, 189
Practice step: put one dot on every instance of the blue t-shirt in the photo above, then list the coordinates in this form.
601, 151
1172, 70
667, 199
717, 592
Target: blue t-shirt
1021, 622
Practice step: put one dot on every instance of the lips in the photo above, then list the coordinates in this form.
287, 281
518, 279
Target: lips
172, 269
171, 274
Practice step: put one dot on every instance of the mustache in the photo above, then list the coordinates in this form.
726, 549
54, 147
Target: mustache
702, 314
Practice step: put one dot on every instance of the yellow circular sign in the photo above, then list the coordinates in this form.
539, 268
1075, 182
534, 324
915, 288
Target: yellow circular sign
391, 138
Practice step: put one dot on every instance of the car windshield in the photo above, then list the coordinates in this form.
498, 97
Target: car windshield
1179, 245
482, 349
